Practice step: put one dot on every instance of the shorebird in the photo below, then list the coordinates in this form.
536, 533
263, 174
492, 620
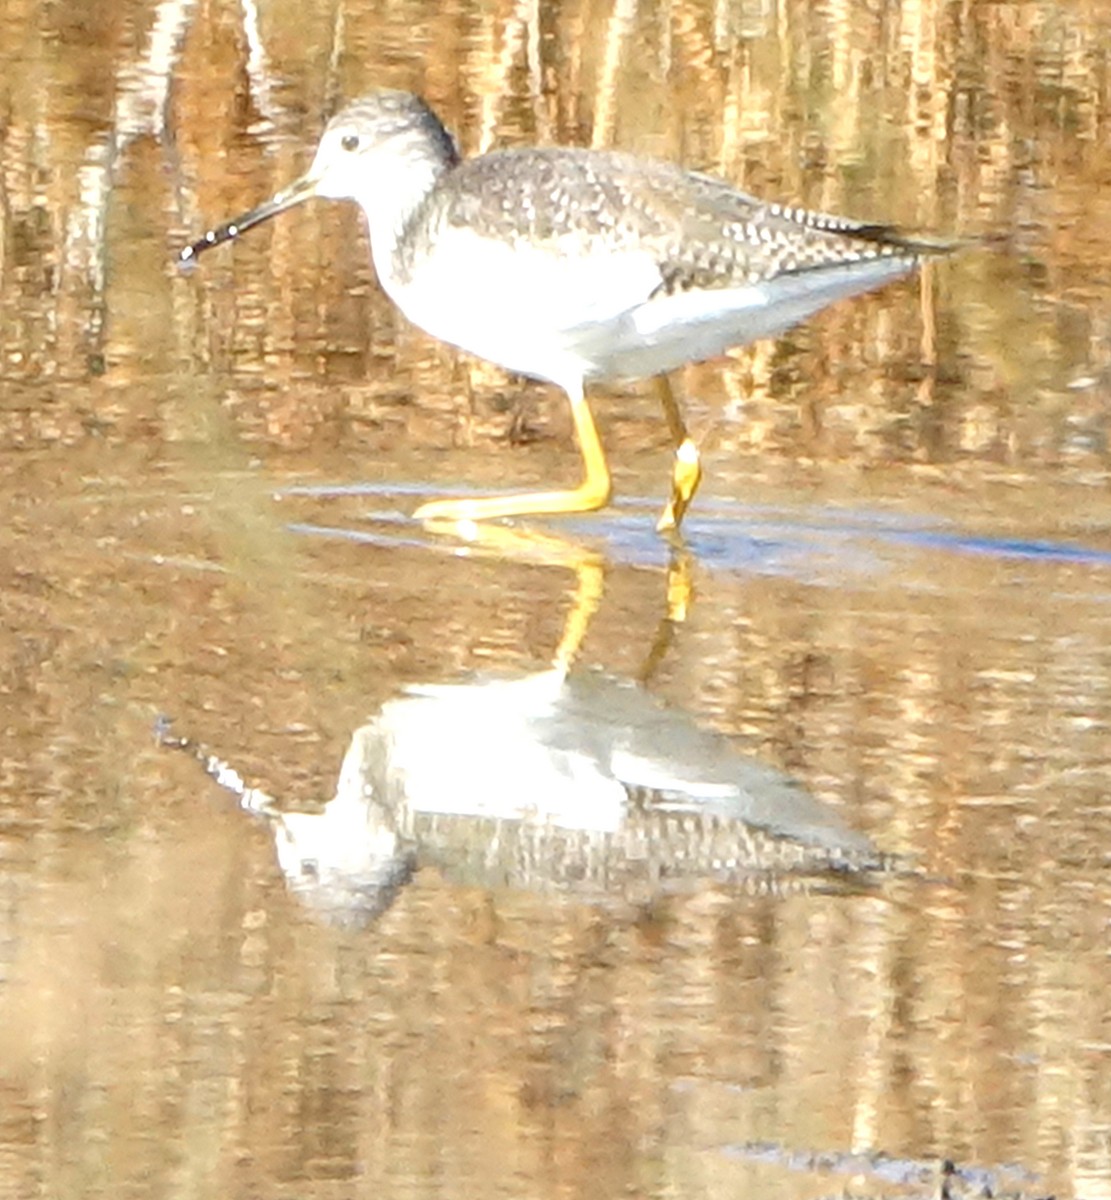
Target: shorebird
577, 266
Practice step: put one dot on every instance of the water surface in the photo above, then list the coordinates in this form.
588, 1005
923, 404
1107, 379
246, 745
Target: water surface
895, 593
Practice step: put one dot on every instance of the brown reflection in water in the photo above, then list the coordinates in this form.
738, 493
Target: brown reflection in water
168, 1021
161, 981
828, 112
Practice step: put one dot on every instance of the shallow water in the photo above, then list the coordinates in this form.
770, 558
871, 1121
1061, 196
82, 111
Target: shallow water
894, 591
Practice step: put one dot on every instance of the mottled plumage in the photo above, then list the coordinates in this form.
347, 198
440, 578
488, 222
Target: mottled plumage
573, 265
701, 231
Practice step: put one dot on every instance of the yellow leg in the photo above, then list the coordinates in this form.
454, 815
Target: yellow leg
686, 469
591, 578
680, 587
592, 493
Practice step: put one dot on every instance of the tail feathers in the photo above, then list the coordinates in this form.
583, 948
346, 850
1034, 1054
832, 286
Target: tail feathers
921, 245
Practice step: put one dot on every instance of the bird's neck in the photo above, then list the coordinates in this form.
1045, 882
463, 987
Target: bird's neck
398, 201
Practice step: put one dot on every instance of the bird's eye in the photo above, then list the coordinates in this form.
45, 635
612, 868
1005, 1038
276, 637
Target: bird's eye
350, 141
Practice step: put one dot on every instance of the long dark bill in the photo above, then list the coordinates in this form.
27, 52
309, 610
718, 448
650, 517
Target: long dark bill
303, 189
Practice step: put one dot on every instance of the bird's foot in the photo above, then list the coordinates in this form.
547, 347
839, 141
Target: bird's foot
686, 474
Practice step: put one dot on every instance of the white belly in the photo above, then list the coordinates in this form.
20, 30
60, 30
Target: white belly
570, 318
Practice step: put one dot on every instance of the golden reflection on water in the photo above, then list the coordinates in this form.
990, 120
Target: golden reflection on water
898, 595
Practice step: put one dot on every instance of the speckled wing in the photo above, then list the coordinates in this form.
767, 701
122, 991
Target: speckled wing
713, 236
598, 265
701, 231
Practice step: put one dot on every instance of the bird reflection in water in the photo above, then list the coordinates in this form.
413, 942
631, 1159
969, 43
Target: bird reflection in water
564, 780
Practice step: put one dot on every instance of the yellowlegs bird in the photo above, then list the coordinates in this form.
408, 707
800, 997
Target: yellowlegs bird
574, 266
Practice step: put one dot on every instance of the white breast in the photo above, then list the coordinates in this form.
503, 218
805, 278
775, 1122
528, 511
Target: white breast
531, 310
